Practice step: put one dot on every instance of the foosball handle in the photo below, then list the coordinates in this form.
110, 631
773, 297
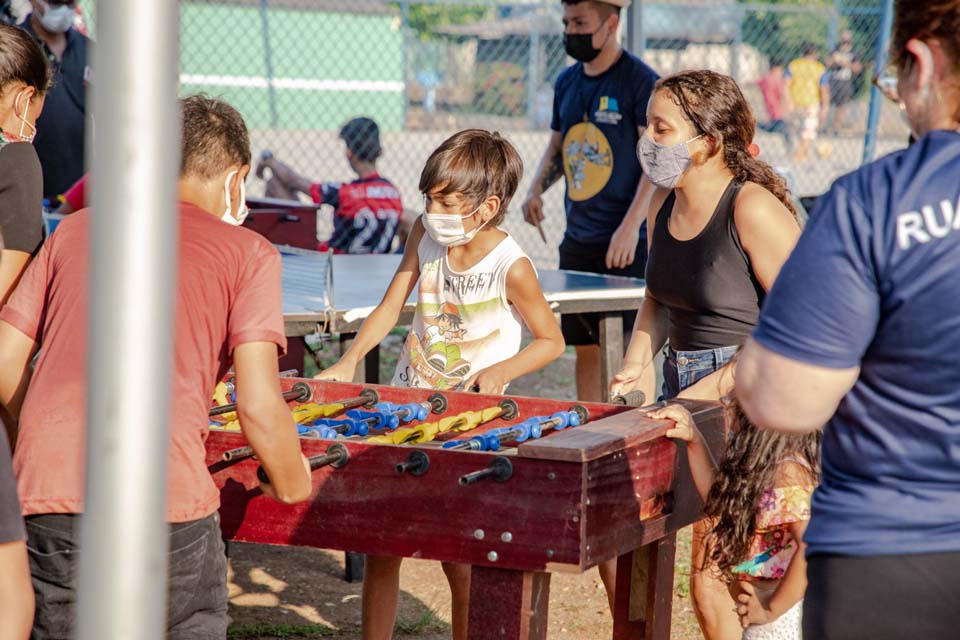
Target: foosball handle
500, 470
631, 399
337, 456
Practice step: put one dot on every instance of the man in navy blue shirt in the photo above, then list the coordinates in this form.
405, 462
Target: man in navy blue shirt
60, 128
599, 114
861, 331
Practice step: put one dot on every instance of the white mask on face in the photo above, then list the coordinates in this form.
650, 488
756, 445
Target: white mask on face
446, 229
242, 210
57, 19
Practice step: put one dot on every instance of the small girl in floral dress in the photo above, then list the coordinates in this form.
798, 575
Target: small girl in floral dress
759, 500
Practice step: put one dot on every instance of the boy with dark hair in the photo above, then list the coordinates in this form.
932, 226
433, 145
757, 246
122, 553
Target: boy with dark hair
476, 288
228, 311
366, 212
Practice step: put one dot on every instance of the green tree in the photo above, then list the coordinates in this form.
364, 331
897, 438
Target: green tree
425, 19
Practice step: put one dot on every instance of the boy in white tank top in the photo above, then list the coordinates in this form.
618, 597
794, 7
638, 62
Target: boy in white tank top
475, 288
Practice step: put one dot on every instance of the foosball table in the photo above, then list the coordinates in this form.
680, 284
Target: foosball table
516, 487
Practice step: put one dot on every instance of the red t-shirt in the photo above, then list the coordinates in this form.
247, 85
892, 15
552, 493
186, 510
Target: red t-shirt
228, 293
772, 88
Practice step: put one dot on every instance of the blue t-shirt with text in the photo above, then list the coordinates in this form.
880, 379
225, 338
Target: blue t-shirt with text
598, 118
874, 282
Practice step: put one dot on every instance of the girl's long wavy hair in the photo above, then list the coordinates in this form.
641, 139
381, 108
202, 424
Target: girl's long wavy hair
715, 106
748, 469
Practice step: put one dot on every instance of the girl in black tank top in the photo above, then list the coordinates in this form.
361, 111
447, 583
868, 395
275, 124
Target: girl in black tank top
704, 293
706, 283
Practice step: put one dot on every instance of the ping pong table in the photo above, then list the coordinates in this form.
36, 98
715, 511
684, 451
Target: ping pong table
334, 294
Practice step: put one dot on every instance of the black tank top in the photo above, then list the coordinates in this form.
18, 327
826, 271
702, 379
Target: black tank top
706, 283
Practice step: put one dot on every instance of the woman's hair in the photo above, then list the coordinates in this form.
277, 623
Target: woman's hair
750, 467
21, 59
929, 20
476, 164
715, 106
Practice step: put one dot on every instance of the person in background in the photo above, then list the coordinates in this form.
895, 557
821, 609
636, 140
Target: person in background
60, 128
24, 78
367, 212
599, 113
860, 333
809, 91
773, 87
228, 311
844, 67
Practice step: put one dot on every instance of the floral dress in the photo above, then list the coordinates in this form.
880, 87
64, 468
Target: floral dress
773, 546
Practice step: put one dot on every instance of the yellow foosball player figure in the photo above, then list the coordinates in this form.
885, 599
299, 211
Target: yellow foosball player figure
476, 288
228, 311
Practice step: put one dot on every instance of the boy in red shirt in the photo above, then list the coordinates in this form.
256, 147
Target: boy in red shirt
366, 212
228, 311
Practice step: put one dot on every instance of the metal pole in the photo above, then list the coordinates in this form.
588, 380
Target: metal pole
405, 62
636, 37
124, 540
876, 100
268, 61
533, 69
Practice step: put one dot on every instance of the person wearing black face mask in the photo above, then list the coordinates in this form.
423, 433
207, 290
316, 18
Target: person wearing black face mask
599, 113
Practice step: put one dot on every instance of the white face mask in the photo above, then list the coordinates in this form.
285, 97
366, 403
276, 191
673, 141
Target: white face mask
446, 229
228, 216
57, 19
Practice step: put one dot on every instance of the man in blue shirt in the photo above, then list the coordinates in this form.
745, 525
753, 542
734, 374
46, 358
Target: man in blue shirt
861, 332
599, 114
60, 128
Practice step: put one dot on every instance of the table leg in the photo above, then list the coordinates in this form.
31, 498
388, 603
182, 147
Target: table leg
368, 369
644, 597
611, 349
508, 605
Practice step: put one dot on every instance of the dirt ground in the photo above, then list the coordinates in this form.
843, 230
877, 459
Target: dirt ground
288, 592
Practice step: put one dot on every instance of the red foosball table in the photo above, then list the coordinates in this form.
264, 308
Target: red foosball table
516, 487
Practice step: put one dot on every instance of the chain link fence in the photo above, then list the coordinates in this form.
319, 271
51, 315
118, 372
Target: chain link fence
299, 69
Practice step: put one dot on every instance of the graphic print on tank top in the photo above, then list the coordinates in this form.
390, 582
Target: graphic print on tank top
463, 322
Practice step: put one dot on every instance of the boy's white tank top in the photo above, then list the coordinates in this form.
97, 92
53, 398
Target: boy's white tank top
463, 322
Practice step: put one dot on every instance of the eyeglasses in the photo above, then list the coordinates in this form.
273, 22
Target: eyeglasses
888, 84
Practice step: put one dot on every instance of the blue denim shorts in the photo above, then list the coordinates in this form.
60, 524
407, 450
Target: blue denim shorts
683, 368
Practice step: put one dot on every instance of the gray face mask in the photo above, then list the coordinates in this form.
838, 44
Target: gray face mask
663, 165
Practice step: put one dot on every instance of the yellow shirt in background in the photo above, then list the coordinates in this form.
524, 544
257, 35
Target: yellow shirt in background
804, 79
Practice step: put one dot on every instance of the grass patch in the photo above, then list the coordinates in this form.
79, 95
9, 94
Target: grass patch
426, 622
261, 629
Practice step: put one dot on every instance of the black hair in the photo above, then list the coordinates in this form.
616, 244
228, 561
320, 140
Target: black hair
362, 137
22, 60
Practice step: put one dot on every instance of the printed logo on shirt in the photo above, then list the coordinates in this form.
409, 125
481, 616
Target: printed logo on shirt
925, 225
609, 111
587, 160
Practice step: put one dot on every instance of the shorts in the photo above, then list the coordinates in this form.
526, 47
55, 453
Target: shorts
896, 597
786, 627
196, 587
807, 122
841, 92
683, 368
584, 328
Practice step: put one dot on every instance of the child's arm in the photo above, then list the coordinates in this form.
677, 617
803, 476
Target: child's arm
788, 593
702, 466
523, 292
376, 327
